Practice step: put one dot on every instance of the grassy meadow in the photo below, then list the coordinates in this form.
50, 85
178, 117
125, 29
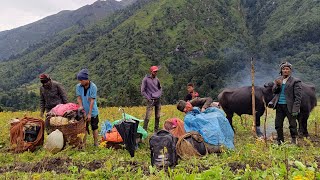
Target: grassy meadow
252, 158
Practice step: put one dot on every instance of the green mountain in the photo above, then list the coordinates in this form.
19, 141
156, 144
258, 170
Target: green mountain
13, 42
207, 42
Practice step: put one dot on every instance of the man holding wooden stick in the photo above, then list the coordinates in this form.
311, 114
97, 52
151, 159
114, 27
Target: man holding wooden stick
287, 102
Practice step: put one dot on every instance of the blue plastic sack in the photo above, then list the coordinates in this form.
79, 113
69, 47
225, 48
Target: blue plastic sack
105, 127
212, 125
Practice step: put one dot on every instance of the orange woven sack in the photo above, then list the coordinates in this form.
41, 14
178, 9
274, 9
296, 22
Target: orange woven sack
175, 126
17, 135
114, 136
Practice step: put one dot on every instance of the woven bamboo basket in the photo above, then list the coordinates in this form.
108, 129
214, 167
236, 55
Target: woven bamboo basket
73, 133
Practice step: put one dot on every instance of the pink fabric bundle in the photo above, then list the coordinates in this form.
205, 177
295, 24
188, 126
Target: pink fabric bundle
60, 109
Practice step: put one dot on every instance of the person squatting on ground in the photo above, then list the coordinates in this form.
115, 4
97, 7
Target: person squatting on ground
151, 89
51, 94
191, 92
86, 92
287, 102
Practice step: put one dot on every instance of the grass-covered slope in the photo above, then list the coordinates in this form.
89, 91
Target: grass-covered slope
189, 39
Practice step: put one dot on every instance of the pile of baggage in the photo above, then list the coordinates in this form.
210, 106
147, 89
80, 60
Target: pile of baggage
70, 120
26, 134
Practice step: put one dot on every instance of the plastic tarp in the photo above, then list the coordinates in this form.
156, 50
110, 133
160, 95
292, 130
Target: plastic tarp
106, 127
212, 125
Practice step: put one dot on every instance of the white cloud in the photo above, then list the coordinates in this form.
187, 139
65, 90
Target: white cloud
15, 13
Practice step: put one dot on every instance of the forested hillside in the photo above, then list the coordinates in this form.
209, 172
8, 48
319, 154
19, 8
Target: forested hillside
207, 42
28, 37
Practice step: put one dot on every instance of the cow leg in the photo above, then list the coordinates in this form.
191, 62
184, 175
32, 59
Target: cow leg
229, 117
258, 130
303, 124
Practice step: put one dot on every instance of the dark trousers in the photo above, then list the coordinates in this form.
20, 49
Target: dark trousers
156, 103
281, 113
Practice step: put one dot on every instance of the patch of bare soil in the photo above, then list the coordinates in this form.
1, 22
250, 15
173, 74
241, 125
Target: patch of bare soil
58, 165
134, 166
200, 168
236, 166
318, 160
313, 140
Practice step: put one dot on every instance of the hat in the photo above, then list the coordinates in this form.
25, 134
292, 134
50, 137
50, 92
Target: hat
154, 68
285, 64
181, 105
83, 75
44, 77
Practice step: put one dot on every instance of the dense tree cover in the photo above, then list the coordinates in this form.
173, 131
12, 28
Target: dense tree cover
207, 42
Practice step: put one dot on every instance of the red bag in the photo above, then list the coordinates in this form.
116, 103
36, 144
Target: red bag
113, 136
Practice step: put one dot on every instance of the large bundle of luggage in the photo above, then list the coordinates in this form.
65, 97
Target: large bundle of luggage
174, 142
190, 145
125, 131
70, 120
26, 134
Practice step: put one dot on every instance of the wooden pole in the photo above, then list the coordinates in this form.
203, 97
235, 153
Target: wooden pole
265, 121
253, 99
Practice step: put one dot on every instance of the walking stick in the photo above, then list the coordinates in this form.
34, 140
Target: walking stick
265, 121
253, 99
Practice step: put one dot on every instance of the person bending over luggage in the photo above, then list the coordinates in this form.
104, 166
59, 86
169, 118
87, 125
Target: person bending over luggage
87, 99
191, 93
51, 94
202, 103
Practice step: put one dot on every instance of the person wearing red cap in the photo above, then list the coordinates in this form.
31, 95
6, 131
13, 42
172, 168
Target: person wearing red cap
151, 89
51, 94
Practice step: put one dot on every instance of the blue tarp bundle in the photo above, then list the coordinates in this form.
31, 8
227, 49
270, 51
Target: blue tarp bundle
212, 125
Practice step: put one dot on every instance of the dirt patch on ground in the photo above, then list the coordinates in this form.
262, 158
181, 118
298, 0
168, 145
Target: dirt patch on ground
317, 160
134, 166
313, 140
198, 169
236, 166
58, 165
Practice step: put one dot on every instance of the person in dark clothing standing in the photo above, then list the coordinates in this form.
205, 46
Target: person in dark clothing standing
191, 92
287, 102
151, 89
51, 94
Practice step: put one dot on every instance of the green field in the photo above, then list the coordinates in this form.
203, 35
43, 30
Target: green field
252, 158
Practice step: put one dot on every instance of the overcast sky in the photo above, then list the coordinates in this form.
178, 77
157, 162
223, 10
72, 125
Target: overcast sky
15, 13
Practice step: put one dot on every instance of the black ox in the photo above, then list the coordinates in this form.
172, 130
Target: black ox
238, 100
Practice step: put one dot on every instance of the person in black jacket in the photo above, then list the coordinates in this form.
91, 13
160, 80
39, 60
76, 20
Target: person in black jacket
51, 94
287, 102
